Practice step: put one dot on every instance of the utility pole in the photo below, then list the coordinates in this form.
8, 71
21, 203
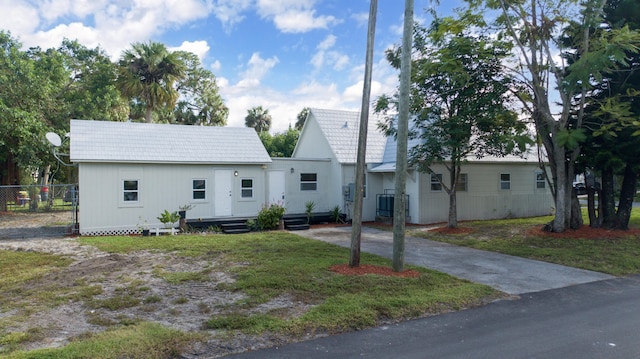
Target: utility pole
399, 216
356, 226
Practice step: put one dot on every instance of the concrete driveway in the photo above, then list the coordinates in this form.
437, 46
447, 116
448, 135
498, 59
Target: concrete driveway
513, 275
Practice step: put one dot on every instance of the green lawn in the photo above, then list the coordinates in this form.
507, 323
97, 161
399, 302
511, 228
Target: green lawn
265, 266
613, 254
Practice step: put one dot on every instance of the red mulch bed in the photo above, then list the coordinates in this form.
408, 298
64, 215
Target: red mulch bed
372, 269
585, 232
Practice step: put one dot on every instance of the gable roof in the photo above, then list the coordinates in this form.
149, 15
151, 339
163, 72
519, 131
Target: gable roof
341, 130
105, 141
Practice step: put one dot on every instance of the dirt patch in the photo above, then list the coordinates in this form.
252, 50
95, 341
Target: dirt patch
364, 269
136, 278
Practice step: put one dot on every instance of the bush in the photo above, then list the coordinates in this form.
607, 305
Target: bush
269, 217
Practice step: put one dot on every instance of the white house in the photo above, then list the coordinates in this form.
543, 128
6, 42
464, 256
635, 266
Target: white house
130, 172
492, 187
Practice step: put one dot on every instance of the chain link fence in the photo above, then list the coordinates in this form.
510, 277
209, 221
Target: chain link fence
36, 198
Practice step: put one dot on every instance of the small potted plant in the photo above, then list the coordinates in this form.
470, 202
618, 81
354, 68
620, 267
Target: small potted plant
183, 210
143, 227
169, 218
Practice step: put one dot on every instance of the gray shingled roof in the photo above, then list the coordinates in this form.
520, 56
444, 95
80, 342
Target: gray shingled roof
104, 141
340, 128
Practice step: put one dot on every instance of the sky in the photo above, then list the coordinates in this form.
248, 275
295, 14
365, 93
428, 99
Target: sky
283, 55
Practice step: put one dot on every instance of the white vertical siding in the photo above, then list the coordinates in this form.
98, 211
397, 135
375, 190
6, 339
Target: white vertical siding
295, 199
161, 186
484, 198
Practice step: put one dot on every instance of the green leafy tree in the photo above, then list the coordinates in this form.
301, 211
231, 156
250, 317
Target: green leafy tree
200, 102
258, 118
533, 27
459, 99
301, 118
611, 125
91, 91
280, 144
30, 86
147, 74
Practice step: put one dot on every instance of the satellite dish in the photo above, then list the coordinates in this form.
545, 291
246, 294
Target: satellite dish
54, 139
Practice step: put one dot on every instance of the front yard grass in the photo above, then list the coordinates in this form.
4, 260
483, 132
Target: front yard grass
612, 252
265, 267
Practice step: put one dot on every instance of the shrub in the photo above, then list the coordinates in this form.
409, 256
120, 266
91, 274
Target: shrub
269, 217
334, 214
309, 206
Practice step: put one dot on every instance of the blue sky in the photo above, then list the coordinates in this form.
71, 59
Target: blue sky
283, 55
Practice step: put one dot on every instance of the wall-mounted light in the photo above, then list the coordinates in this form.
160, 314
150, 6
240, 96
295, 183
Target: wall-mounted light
264, 167
235, 173
291, 169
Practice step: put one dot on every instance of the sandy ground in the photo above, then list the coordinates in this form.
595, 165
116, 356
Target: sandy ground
181, 306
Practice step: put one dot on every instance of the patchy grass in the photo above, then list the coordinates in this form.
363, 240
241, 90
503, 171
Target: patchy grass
268, 265
613, 252
265, 268
142, 340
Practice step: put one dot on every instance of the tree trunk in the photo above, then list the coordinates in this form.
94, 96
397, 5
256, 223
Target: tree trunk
595, 218
627, 192
453, 210
576, 213
148, 116
562, 200
608, 200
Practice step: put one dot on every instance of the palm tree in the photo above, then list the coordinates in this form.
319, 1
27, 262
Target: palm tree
258, 118
147, 73
302, 117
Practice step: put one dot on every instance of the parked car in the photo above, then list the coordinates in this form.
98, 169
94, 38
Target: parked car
580, 188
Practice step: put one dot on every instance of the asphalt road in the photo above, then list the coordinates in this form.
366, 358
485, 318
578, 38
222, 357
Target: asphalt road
594, 320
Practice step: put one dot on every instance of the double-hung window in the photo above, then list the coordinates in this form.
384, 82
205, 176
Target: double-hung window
199, 188
247, 188
505, 181
436, 185
308, 181
462, 184
130, 191
540, 181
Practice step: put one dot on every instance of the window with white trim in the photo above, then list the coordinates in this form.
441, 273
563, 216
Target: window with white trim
308, 181
540, 181
199, 188
130, 191
505, 181
247, 188
436, 185
462, 184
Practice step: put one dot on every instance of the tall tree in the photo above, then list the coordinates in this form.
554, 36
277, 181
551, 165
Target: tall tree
611, 125
301, 118
533, 26
200, 102
147, 75
30, 86
90, 91
280, 144
459, 100
258, 118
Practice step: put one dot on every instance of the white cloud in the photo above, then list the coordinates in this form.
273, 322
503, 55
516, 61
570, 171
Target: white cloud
216, 66
362, 19
229, 12
294, 16
200, 48
19, 18
257, 68
338, 61
113, 25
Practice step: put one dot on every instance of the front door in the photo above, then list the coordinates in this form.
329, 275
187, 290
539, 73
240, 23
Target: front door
276, 187
223, 194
